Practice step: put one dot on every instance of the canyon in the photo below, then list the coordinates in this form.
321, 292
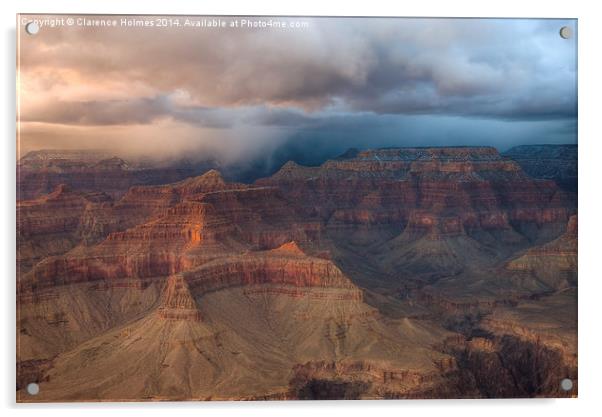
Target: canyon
382, 273
40, 172
556, 162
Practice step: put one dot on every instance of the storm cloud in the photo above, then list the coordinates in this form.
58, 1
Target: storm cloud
366, 82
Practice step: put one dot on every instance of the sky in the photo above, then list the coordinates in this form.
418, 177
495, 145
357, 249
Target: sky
242, 95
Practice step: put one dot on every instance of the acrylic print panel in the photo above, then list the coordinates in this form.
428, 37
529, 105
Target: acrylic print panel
261, 208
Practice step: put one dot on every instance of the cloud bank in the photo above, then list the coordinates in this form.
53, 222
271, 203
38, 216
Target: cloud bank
240, 92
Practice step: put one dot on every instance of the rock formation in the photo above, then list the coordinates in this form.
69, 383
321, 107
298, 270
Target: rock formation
554, 263
554, 162
177, 302
52, 224
387, 273
39, 172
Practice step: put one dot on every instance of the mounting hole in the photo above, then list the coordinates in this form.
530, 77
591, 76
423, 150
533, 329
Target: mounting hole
566, 384
566, 32
33, 388
32, 28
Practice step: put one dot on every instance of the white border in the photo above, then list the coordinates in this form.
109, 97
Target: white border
590, 211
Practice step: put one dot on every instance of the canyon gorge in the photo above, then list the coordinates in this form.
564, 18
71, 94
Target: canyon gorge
388, 273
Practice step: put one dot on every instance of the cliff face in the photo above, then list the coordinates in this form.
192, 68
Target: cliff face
554, 263
52, 224
39, 172
389, 273
427, 213
554, 162
271, 267
477, 185
177, 302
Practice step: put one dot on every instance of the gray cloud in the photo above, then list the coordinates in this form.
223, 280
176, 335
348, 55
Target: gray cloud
489, 68
360, 82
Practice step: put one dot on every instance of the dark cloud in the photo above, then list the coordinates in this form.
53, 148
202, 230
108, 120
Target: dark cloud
449, 66
382, 80
333, 136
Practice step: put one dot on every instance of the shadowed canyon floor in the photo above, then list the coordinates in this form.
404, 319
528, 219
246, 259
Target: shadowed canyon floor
387, 273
